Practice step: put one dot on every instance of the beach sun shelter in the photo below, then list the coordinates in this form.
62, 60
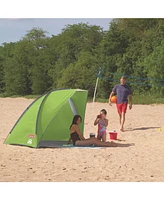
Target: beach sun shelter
48, 118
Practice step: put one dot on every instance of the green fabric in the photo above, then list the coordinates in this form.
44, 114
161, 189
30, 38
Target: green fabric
26, 126
48, 118
79, 101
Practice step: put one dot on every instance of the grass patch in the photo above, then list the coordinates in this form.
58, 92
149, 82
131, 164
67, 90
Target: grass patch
147, 99
31, 96
144, 99
90, 100
3, 95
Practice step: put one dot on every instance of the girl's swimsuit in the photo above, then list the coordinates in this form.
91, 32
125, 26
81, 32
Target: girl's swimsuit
74, 137
101, 128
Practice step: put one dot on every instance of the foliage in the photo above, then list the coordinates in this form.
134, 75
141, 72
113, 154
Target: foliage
38, 63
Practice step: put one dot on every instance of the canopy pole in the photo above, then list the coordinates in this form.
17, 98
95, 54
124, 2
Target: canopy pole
97, 80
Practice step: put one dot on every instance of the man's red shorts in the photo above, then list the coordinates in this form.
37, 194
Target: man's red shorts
121, 107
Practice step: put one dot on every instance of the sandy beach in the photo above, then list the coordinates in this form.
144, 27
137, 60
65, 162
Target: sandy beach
142, 162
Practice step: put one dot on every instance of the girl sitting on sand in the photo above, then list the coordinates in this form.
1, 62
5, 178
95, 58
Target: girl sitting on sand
79, 140
102, 124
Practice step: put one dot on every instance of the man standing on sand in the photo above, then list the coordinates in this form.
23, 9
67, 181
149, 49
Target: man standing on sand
123, 92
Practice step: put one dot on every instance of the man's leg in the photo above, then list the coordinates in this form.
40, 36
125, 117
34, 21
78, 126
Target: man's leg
124, 108
122, 121
120, 116
119, 109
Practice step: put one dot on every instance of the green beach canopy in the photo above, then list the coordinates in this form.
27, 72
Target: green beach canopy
48, 118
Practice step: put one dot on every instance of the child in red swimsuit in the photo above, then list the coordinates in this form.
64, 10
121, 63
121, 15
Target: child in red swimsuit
102, 124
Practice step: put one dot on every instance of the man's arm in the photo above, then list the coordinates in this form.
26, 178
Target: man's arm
130, 101
111, 94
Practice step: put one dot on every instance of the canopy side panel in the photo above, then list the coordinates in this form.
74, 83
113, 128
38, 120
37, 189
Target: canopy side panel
53, 103
24, 131
79, 100
58, 128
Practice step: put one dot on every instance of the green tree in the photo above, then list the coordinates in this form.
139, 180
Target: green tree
67, 46
154, 64
39, 77
1, 70
82, 74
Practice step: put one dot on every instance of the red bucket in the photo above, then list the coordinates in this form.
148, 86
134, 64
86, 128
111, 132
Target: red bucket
113, 135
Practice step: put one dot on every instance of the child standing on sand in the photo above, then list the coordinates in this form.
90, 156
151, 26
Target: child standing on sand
102, 124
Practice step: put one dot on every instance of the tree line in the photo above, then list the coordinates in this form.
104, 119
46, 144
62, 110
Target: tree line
38, 63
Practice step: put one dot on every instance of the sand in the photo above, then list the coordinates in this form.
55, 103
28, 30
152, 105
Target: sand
142, 162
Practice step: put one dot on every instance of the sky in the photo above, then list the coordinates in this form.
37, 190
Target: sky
13, 29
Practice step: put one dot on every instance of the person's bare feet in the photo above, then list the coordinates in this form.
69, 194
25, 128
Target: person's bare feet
122, 130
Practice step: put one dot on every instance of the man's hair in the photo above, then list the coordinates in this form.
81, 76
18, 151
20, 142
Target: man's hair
123, 77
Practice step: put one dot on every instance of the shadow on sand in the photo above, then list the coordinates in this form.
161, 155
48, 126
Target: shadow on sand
120, 140
125, 145
113, 144
144, 128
